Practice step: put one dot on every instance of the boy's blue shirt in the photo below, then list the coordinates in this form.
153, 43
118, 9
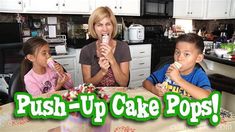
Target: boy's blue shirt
197, 77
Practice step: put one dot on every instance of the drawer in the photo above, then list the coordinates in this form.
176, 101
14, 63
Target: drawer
140, 63
140, 74
135, 84
140, 50
67, 63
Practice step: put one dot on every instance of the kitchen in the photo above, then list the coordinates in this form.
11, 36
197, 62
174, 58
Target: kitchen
70, 19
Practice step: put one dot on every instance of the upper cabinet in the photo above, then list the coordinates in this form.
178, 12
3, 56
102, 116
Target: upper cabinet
121, 7
188, 8
218, 9
129, 7
42, 6
202, 9
46, 6
76, 6
232, 9
58, 6
15, 6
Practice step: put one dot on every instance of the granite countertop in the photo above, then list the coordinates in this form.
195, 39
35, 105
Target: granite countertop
215, 58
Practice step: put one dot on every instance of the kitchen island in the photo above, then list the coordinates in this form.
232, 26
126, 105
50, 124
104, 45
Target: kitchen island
213, 57
221, 74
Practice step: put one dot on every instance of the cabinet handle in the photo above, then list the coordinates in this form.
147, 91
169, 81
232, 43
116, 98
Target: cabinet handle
142, 52
226, 12
63, 4
141, 63
141, 74
187, 12
115, 7
191, 12
120, 7
56, 4
19, 3
65, 64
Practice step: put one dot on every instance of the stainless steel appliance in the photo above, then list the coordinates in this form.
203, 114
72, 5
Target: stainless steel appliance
157, 8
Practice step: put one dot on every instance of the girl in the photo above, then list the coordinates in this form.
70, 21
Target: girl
37, 76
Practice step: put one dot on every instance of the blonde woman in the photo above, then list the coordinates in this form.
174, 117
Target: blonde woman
105, 63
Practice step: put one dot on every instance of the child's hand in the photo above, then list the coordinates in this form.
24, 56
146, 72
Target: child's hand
104, 65
59, 68
159, 90
173, 73
62, 79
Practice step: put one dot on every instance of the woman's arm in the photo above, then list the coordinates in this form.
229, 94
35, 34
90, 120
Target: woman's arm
86, 72
121, 72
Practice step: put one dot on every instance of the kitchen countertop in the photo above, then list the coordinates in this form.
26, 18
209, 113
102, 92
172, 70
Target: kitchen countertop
213, 57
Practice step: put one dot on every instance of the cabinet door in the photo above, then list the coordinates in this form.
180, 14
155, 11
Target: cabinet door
112, 4
196, 8
75, 6
232, 9
180, 9
218, 9
15, 6
128, 7
42, 6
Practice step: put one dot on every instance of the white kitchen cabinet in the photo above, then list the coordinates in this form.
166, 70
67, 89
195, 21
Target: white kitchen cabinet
109, 3
129, 7
232, 9
78, 73
202, 9
121, 7
14, 6
57, 6
69, 64
41, 6
75, 6
140, 65
189, 8
218, 9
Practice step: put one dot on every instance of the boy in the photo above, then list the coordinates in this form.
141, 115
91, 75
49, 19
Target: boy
182, 76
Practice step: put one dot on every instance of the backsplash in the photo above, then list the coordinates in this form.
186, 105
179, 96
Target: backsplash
80, 19
208, 25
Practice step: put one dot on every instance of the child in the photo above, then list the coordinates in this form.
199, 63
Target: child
37, 76
182, 76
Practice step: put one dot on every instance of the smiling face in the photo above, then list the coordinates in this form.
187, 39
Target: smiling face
104, 26
188, 55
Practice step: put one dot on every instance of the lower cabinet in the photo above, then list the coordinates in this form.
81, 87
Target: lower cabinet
140, 65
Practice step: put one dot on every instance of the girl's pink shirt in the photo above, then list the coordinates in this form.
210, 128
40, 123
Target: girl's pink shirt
37, 84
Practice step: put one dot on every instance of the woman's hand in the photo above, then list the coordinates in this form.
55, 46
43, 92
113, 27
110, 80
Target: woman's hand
106, 51
104, 65
59, 69
173, 73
